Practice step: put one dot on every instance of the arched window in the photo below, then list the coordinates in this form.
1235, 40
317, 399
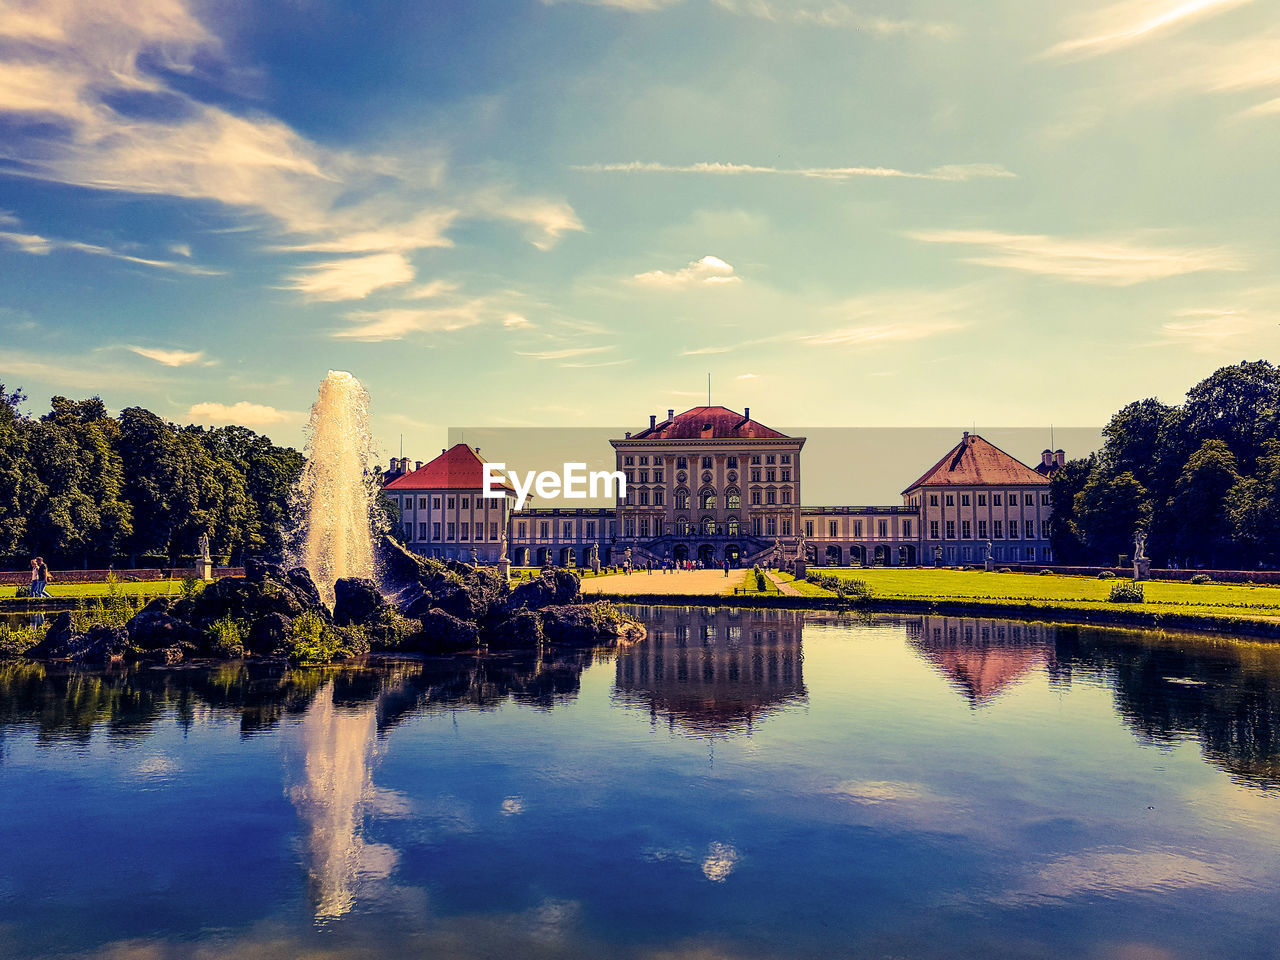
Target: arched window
732, 499
707, 499
733, 526
683, 527
682, 499
708, 526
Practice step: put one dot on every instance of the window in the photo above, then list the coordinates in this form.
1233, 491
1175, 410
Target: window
544, 529
644, 461
493, 531
682, 463
708, 500
995, 499
832, 527
755, 460
568, 530
658, 497
786, 526
882, 529
733, 526
1044, 530
933, 529
422, 531
786, 476
982, 499
1028, 500
466, 532
965, 532
786, 458
997, 529
755, 476
629, 527
906, 528
644, 476
706, 463
644, 526
657, 476
408, 531
522, 530
591, 529
808, 529
786, 494
732, 500
933, 499
771, 496
682, 499
422, 503
1044, 500
628, 461
982, 529
951, 500
770, 458
755, 498
771, 526
451, 500
466, 503
732, 463
1029, 530
453, 531
1031, 553
857, 528
755, 526
435, 531
964, 499
644, 498
951, 529
770, 476
1013, 529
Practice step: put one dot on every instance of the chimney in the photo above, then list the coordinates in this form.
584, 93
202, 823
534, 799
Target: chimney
1059, 458
628, 436
966, 436
746, 414
671, 413
417, 465
442, 451
653, 420
1046, 457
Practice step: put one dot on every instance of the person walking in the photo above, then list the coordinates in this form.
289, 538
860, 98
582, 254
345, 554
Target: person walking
41, 572
35, 578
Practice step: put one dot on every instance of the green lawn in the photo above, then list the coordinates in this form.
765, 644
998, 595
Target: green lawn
128, 588
1076, 593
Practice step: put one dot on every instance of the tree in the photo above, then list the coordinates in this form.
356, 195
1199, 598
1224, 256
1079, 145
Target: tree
1203, 526
1252, 506
18, 483
1108, 509
1238, 405
1066, 482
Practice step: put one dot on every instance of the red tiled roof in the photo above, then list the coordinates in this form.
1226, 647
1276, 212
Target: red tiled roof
458, 468
709, 423
972, 462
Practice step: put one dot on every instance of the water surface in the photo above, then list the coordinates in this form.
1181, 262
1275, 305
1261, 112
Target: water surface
743, 784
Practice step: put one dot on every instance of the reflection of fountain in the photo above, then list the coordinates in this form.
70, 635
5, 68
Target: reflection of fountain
328, 754
982, 658
714, 669
333, 494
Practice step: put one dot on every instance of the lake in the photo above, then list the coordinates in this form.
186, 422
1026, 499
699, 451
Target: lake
742, 784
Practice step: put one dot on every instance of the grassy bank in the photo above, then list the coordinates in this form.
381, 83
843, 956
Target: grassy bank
61, 594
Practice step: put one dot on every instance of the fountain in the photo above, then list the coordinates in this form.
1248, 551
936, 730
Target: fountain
334, 494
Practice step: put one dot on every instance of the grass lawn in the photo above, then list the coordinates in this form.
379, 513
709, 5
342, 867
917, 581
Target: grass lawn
128, 588
1057, 591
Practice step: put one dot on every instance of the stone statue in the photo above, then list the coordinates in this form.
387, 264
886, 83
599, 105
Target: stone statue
1139, 544
475, 557
204, 547
987, 554
988, 563
595, 558
204, 563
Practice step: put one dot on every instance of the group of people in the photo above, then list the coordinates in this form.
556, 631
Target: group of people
39, 577
666, 565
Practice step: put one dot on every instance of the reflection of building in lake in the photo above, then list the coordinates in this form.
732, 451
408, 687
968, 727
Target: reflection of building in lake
328, 752
983, 658
713, 668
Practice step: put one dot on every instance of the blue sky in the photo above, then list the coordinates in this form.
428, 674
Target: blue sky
568, 213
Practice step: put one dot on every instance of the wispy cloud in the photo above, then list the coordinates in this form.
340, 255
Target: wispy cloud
564, 354
708, 271
641, 6
450, 310
170, 358
588, 366
1221, 330
895, 316
242, 413
60, 62
353, 278
1108, 261
834, 14
1132, 21
42, 246
949, 173
747, 376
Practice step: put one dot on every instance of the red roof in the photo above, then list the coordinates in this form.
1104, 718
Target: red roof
974, 462
709, 423
458, 468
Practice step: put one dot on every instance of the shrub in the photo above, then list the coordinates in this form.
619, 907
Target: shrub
1200, 578
23, 591
761, 580
1126, 591
226, 637
1046, 573
15, 641
310, 640
190, 586
1106, 575
1005, 570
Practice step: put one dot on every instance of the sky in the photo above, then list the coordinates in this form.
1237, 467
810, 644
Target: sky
534, 213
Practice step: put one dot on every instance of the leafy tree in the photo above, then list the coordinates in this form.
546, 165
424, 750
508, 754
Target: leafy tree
1204, 528
1252, 506
1108, 509
1066, 483
18, 483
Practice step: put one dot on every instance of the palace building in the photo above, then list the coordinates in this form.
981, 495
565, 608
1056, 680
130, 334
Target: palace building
714, 485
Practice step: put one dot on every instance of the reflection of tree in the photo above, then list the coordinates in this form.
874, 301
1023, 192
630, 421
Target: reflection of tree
713, 668
1225, 694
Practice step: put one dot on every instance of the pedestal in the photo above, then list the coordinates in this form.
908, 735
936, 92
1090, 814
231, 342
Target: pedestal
504, 568
801, 569
989, 565
1142, 570
204, 570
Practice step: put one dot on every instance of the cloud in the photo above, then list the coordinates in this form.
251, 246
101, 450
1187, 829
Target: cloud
1116, 262
709, 271
834, 15
1132, 21
353, 278
891, 316
67, 66
1219, 330
452, 311
170, 358
1111, 872
950, 173
242, 413
638, 6
42, 246
747, 376
517, 321
563, 354
589, 366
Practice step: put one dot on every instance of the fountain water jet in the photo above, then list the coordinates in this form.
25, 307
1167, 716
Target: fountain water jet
334, 495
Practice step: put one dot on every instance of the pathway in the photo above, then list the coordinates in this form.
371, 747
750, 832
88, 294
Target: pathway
688, 582
784, 588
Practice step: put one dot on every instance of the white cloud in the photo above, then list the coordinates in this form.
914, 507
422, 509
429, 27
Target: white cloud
709, 271
1221, 330
747, 376
242, 413
1132, 21
353, 278
950, 172
563, 354
41, 246
170, 358
516, 320
396, 323
834, 14
1115, 261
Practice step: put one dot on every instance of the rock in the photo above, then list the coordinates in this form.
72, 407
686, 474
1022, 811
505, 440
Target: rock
151, 629
520, 631
557, 587
257, 570
444, 633
304, 588
103, 644
267, 633
356, 600
571, 623
167, 656
56, 639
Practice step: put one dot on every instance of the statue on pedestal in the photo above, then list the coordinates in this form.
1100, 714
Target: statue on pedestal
987, 561
1141, 563
595, 558
504, 564
204, 563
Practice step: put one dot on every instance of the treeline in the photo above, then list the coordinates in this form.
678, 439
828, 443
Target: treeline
82, 488
1201, 477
